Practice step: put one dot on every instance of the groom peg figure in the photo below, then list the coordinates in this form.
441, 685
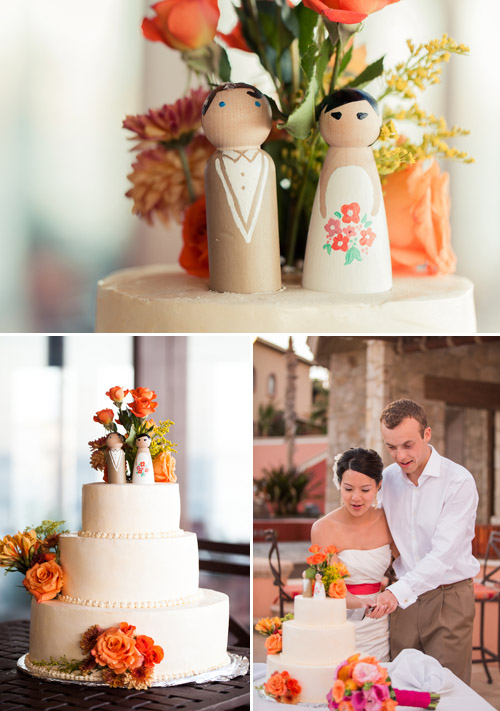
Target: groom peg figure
240, 187
430, 503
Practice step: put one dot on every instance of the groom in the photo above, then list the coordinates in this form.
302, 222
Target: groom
430, 504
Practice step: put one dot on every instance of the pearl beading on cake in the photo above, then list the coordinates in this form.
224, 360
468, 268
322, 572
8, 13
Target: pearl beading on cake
186, 600
159, 534
97, 676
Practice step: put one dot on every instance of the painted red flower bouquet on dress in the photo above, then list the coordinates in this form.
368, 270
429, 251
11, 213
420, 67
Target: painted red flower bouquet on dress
361, 684
135, 418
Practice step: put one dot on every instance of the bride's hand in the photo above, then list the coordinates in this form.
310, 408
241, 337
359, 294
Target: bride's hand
385, 603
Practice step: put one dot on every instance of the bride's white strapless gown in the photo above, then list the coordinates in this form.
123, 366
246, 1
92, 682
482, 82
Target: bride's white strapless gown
369, 566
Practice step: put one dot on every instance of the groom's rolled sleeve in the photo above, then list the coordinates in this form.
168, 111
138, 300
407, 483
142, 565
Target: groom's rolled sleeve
448, 560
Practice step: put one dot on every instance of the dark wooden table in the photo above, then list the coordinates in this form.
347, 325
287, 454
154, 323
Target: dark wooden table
21, 692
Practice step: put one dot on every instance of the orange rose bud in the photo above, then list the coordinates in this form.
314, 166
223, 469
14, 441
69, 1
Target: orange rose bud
182, 24
274, 643
117, 394
316, 559
104, 417
338, 690
140, 393
164, 467
144, 643
331, 550
337, 589
347, 12
44, 580
275, 685
293, 686
314, 549
127, 629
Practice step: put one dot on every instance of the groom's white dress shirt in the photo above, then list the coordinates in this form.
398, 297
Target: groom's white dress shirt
432, 525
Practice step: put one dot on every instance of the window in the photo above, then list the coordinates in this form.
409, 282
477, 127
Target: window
271, 385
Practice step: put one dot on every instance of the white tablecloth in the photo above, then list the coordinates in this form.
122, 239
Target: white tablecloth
460, 698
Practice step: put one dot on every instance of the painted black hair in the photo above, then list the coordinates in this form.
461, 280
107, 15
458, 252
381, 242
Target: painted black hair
345, 96
253, 91
116, 433
144, 434
364, 461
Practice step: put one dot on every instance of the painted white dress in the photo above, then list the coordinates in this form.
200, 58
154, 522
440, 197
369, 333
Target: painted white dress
372, 636
347, 251
143, 468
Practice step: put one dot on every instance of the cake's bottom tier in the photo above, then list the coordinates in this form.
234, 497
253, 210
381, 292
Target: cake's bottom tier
165, 299
304, 648
193, 637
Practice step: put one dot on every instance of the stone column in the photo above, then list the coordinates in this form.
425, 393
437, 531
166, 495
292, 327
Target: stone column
379, 359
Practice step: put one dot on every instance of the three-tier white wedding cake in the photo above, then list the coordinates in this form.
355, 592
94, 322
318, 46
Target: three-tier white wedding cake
131, 562
317, 639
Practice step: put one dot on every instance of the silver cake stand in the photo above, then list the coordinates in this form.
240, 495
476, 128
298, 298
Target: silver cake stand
237, 666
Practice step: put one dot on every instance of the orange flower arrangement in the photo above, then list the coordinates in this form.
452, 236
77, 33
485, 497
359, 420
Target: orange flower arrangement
44, 580
135, 418
332, 572
283, 688
117, 650
164, 467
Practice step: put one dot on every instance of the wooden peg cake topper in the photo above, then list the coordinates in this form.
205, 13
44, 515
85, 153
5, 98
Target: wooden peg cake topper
115, 458
240, 187
347, 248
143, 472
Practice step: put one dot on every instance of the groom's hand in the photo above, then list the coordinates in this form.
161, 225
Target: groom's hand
386, 603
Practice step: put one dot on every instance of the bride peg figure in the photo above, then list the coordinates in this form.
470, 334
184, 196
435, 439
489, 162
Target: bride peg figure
115, 458
240, 187
143, 465
347, 250
319, 587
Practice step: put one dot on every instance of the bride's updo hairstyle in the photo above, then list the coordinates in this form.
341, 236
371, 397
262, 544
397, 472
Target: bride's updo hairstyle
364, 461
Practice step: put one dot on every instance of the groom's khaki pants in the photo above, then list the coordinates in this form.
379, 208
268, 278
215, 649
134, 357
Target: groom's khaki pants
439, 624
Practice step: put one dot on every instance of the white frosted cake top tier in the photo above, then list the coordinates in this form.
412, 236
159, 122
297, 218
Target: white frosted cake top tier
164, 299
129, 510
319, 612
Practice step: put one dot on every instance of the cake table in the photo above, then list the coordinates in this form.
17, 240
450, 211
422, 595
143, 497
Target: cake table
164, 299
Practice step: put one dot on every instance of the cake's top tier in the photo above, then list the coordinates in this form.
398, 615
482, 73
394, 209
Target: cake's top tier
319, 612
130, 510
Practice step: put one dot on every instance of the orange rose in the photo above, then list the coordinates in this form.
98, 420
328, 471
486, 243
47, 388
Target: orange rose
44, 580
143, 407
127, 629
345, 672
337, 589
275, 685
316, 559
389, 705
104, 417
338, 690
345, 706
153, 656
117, 394
274, 643
417, 203
146, 393
348, 12
350, 685
182, 24
164, 467
314, 549
293, 686
331, 550
144, 643
194, 255
117, 650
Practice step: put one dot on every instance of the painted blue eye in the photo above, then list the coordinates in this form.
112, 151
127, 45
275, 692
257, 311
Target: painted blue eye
222, 103
257, 103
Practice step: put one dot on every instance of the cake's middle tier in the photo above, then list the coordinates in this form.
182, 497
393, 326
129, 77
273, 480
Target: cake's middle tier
118, 572
130, 511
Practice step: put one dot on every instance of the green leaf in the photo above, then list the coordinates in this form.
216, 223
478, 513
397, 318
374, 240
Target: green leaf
363, 219
308, 60
367, 224
325, 53
371, 72
311, 573
337, 214
131, 437
345, 60
301, 120
308, 20
224, 66
351, 255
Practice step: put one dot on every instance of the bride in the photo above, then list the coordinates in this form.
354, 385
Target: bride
359, 530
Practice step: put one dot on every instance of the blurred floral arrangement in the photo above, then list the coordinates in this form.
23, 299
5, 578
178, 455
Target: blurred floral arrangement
332, 572
272, 629
135, 418
124, 658
307, 49
35, 552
